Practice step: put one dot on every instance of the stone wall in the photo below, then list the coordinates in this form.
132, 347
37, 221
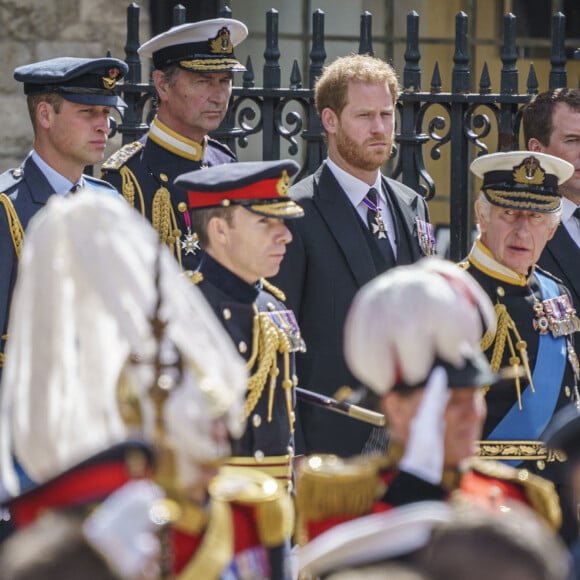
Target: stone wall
33, 30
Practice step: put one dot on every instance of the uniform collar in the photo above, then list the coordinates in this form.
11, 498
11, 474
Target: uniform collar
227, 281
60, 184
481, 258
174, 142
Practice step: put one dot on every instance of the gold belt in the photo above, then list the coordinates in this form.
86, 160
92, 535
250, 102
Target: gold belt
276, 466
519, 450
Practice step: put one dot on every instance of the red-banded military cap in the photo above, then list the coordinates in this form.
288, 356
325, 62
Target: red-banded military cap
522, 180
205, 46
84, 484
87, 81
260, 186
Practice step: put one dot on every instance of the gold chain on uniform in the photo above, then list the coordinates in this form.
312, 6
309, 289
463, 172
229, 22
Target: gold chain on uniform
268, 340
506, 329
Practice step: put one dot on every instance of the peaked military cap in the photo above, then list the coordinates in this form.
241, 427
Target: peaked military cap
205, 46
523, 180
88, 81
260, 186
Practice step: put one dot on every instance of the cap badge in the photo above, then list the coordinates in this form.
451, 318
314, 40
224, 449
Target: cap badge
283, 185
110, 81
529, 171
222, 43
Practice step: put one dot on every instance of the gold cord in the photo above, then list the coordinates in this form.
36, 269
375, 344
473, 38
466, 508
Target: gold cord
164, 221
14, 224
268, 340
508, 334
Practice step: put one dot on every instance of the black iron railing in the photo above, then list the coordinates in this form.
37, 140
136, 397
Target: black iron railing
428, 121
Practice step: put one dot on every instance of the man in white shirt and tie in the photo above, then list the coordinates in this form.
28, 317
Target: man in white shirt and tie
340, 247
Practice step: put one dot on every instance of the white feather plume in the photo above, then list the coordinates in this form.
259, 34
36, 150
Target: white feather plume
84, 295
403, 320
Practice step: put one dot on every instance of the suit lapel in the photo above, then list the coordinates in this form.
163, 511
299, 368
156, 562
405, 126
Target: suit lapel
337, 212
406, 208
38, 186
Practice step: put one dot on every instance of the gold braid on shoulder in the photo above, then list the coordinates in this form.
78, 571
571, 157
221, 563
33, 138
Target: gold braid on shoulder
14, 224
508, 334
129, 184
268, 340
164, 221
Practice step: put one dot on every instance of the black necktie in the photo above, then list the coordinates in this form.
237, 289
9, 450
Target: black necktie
377, 226
576, 213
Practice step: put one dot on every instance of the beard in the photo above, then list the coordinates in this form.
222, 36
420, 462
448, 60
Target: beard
358, 155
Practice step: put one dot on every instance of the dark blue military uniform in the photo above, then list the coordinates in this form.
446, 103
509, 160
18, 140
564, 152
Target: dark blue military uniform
264, 331
270, 422
536, 319
26, 191
144, 172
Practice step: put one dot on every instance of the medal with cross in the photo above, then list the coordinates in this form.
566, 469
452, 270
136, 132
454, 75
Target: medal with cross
377, 225
189, 242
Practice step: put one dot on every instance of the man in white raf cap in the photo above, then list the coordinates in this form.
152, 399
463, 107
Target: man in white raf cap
194, 65
519, 209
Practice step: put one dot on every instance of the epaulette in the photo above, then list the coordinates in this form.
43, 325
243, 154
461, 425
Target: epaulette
549, 275
194, 276
99, 183
10, 178
222, 146
539, 492
271, 502
329, 486
274, 290
120, 157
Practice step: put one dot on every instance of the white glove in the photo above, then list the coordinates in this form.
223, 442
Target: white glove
123, 529
425, 448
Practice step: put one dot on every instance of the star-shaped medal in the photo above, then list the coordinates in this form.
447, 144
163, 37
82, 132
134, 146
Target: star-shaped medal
190, 243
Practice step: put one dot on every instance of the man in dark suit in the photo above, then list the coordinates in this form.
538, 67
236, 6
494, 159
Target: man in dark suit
193, 71
551, 124
347, 237
70, 101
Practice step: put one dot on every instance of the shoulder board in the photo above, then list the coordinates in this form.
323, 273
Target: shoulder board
99, 183
193, 276
120, 157
549, 275
540, 493
273, 508
247, 486
221, 146
274, 290
10, 178
329, 486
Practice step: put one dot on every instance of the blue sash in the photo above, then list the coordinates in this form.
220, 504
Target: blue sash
538, 407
